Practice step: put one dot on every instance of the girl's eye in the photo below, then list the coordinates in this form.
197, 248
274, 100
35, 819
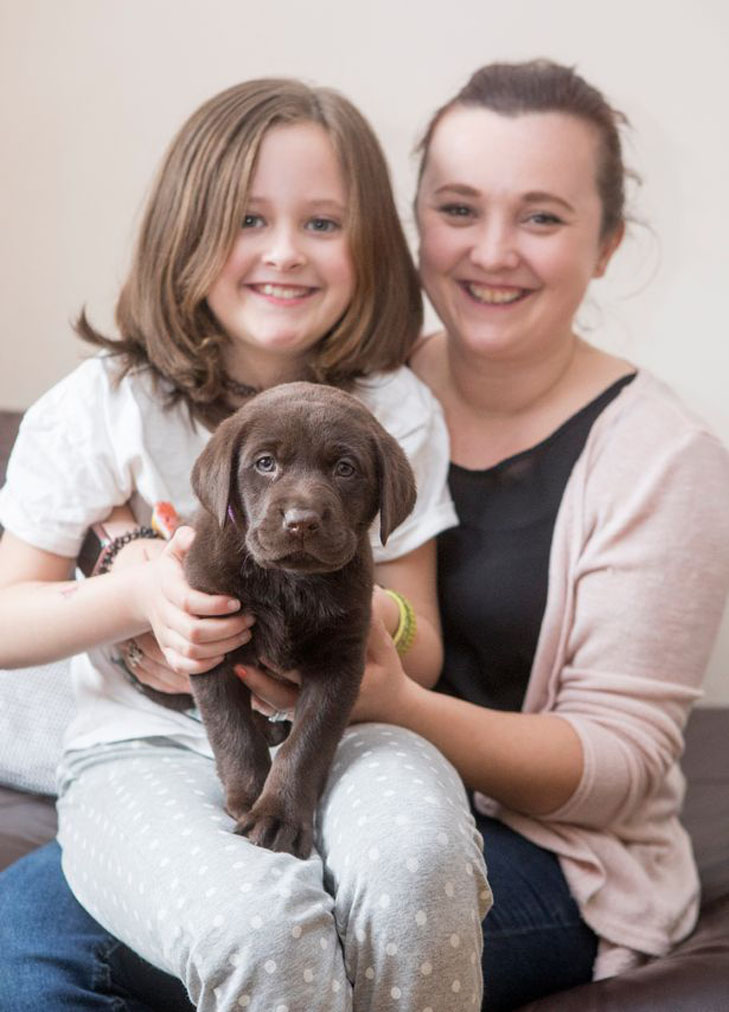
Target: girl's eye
344, 469
252, 221
265, 464
322, 225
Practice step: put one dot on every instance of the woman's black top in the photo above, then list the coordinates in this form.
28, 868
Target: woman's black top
493, 568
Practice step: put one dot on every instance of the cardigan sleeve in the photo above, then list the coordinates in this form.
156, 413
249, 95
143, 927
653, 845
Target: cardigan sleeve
648, 586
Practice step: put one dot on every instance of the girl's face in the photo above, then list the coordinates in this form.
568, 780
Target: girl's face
289, 276
509, 217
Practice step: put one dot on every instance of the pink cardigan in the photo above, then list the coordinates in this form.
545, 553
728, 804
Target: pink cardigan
638, 577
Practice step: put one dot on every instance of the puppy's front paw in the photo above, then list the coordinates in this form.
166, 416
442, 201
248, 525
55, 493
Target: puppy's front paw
270, 825
238, 804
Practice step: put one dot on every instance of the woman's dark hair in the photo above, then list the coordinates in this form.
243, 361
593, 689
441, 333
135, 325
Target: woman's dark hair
512, 89
193, 216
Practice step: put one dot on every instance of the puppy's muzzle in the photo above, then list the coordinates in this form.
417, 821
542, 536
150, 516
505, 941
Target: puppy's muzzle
301, 522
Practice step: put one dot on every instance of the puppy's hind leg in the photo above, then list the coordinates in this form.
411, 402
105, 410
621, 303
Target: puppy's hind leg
240, 749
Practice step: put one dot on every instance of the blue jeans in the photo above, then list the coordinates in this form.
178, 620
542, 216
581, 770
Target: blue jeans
535, 942
54, 956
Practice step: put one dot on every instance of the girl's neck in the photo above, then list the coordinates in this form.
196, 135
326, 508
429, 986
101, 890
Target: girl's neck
262, 372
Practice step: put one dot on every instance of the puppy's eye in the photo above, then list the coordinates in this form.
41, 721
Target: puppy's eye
266, 464
343, 469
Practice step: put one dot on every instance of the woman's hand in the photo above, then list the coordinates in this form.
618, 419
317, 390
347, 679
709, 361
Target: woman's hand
382, 694
188, 625
384, 609
272, 695
385, 685
144, 658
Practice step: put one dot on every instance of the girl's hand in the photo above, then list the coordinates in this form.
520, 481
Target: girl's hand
188, 625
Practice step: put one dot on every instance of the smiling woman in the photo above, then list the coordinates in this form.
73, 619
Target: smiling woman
510, 222
589, 498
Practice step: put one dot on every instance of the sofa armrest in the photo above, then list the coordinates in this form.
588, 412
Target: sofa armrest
27, 820
694, 977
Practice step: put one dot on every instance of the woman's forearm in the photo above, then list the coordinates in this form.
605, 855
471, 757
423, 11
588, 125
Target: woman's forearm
424, 660
45, 621
529, 762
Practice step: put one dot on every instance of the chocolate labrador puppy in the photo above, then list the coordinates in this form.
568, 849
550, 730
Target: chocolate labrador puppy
289, 486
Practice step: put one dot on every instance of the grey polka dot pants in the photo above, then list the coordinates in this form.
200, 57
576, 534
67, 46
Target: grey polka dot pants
385, 915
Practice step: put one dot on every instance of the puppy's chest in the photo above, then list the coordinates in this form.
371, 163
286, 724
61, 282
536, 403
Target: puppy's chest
295, 616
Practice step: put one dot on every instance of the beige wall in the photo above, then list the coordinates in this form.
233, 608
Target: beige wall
91, 91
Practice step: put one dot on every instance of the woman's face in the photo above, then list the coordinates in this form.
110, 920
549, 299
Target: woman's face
509, 218
289, 277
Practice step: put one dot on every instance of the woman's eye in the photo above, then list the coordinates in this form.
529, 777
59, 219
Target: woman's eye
322, 225
252, 221
343, 469
456, 210
265, 464
544, 218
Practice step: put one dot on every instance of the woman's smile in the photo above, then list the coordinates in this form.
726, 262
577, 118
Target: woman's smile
494, 295
510, 217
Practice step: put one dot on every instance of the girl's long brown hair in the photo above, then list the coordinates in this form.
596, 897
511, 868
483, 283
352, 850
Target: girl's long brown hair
192, 217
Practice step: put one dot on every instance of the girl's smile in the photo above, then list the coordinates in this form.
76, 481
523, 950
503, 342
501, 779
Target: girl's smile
282, 295
289, 276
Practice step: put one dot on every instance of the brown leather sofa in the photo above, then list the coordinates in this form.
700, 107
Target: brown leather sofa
692, 978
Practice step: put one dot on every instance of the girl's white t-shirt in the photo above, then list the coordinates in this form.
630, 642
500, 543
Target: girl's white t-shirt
90, 444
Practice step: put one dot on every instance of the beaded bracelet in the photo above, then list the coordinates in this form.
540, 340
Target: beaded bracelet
113, 548
404, 635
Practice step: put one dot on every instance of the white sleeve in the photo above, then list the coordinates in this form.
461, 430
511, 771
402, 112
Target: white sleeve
64, 473
410, 413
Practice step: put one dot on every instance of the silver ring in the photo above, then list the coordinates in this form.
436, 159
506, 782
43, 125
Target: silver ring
278, 716
134, 655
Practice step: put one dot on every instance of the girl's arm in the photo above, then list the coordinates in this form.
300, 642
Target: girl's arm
45, 615
414, 576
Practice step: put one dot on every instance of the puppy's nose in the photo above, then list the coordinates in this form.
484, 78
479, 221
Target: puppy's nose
301, 521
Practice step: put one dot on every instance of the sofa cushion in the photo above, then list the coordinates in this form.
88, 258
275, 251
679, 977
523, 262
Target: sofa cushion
26, 821
694, 977
36, 705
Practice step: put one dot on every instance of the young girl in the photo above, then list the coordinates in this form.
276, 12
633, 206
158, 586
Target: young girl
270, 251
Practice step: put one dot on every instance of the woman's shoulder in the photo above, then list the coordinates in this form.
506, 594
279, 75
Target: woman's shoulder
649, 407
649, 427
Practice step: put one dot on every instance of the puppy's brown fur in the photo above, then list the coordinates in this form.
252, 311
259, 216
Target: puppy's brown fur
290, 485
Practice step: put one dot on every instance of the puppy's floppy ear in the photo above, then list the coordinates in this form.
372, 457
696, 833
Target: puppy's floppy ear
212, 472
397, 483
